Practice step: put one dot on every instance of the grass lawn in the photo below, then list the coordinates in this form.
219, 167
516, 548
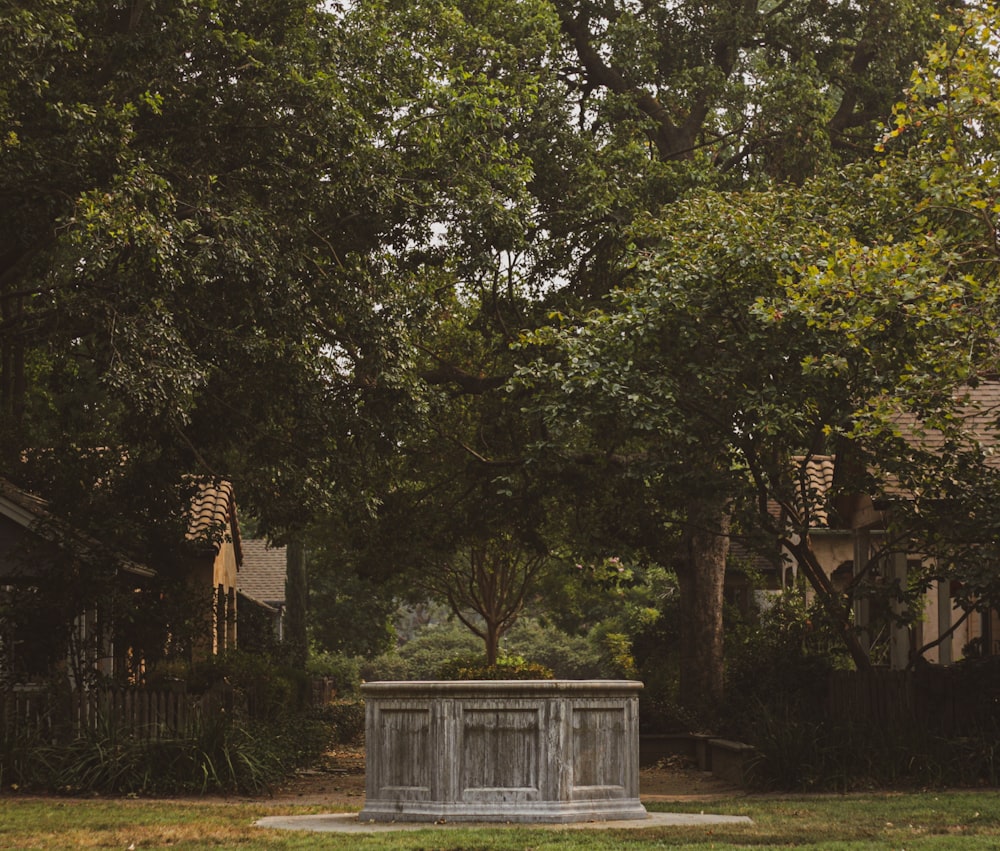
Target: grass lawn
895, 821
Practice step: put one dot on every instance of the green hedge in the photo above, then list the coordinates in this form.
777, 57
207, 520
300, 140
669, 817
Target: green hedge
506, 668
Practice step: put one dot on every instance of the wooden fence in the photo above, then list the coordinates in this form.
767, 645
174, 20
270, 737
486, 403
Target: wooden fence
148, 713
948, 701
878, 697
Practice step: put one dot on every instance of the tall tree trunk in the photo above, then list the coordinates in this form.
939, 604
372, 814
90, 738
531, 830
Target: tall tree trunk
13, 382
701, 574
296, 598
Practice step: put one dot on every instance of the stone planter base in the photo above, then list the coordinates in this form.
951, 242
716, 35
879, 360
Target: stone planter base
538, 751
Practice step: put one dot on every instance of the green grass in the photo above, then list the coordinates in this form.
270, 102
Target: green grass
892, 821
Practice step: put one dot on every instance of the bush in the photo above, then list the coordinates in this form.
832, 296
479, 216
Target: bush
388, 666
346, 720
343, 670
268, 689
778, 666
568, 656
506, 668
249, 727
218, 755
420, 658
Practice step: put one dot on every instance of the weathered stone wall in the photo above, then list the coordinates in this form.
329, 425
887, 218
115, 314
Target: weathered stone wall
524, 751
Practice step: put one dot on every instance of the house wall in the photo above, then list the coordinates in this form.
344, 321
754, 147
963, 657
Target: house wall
929, 628
224, 575
834, 548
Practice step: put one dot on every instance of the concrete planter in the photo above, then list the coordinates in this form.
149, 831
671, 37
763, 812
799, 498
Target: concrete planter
554, 751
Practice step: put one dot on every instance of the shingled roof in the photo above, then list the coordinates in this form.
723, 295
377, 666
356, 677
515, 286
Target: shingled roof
262, 575
976, 415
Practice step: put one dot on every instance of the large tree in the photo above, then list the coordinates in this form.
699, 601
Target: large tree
192, 200
202, 209
639, 106
756, 330
219, 225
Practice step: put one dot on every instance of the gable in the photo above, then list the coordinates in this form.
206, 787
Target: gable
23, 554
32, 540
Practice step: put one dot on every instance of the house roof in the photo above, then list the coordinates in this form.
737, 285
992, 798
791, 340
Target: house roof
742, 557
819, 473
262, 575
24, 508
213, 508
976, 416
31, 512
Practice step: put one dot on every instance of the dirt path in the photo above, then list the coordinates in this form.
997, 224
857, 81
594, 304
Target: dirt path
339, 781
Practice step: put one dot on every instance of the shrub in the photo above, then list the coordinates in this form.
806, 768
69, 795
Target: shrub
420, 658
779, 665
388, 666
423, 654
346, 720
217, 755
270, 690
343, 670
568, 656
506, 668
244, 732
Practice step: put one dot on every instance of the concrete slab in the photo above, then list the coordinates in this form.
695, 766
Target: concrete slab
350, 823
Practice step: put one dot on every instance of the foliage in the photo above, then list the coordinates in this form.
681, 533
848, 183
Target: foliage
154, 287
420, 658
370, 204
272, 688
220, 754
220, 229
487, 586
349, 614
504, 668
345, 718
343, 670
591, 117
779, 663
194, 204
249, 726
755, 330
568, 656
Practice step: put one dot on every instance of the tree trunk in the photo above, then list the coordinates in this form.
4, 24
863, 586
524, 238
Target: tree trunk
13, 381
296, 598
492, 638
701, 574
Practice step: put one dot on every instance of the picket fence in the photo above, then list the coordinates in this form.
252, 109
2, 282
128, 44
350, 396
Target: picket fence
148, 713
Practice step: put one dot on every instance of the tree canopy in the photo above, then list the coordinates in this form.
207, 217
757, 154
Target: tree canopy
572, 274
755, 330
208, 211
639, 116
